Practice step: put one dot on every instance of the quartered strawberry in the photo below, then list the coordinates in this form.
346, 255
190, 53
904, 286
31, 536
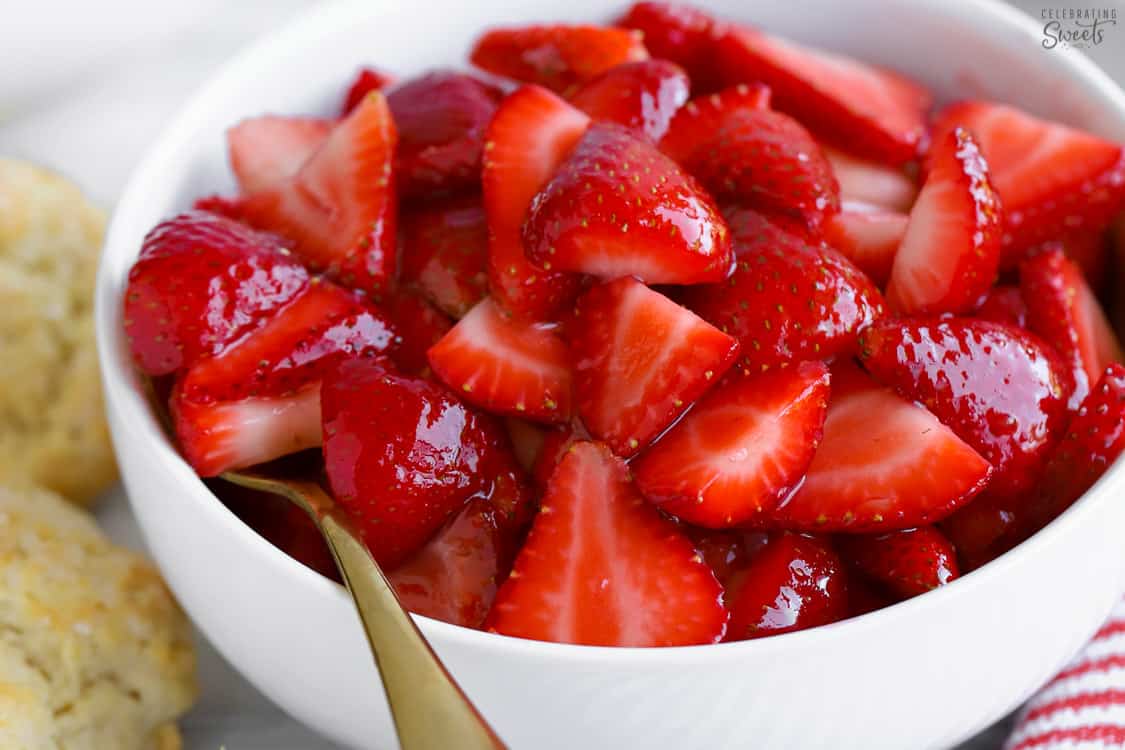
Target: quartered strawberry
885, 464
788, 300
1003, 304
532, 132
365, 81
505, 365
265, 150
339, 210
441, 119
741, 449
795, 582
445, 253
639, 361
679, 33
725, 551
742, 151
870, 111
642, 96
951, 251
1052, 179
907, 562
201, 283
1064, 311
420, 325
558, 57
617, 206
869, 239
999, 389
601, 567
870, 183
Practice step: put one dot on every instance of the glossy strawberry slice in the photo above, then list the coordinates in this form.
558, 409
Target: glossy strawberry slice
999, 389
617, 206
870, 111
908, 562
505, 365
642, 96
639, 361
680, 33
741, 449
420, 325
266, 150
1004, 304
870, 183
603, 568
531, 133
558, 57
201, 283
869, 239
445, 253
795, 582
885, 464
365, 81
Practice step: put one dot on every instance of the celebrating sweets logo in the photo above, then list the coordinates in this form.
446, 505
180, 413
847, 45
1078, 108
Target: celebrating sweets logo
1077, 28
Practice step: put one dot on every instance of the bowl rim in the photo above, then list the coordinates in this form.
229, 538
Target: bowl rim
138, 424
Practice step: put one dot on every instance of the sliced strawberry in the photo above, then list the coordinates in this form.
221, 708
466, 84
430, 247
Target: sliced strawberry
870, 111
617, 206
559, 57
1052, 180
743, 151
885, 464
505, 365
1004, 304
788, 300
869, 239
642, 96
1001, 390
201, 283
555, 445
871, 183
365, 81
601, 567
679, 33
445, 253
419, 327
725, 551
1064, 311
640, 360
951, 251
908, 562
740, 450
531, 133
266, 150
796, 582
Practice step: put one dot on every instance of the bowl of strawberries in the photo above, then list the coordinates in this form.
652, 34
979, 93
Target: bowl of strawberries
701, 376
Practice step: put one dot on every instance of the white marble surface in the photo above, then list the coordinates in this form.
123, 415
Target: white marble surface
87, 86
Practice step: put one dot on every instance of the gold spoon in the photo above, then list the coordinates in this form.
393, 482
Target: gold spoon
429, 709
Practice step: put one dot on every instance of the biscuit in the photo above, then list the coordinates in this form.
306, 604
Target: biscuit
94, 652
52, 426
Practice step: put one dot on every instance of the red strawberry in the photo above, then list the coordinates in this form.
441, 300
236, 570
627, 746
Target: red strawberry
531, 133
555, 445
725, 551
617, 206
1064, 311
505, 365
1089, 250
740, 450
640, 360
788, 300
743, 151
977, 528
998, 388
951, 251
601, 567
419, 326
679, 33
445, 252
642, 96
1052, 180
266, 150
884, 464
1004, 304
870, 111
869, 239
871, 183
560, 57
441, 119
796, 582
907, 562
201, 283
365, 81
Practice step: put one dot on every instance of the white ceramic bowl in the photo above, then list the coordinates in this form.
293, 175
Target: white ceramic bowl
922, 674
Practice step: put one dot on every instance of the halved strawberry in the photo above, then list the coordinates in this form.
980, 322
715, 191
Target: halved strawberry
640, 360
445, 253
884, 464
795, 582
741, 449
868, 110
616, 206
907, 562
951, 250
558, 57
201, 283
505, 365
603, 568
642, 96
998, 388
1052, 179
1003, 304
870, 183
365, 81
532, 132
265, 150
869, 239
680, 33
420, 325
